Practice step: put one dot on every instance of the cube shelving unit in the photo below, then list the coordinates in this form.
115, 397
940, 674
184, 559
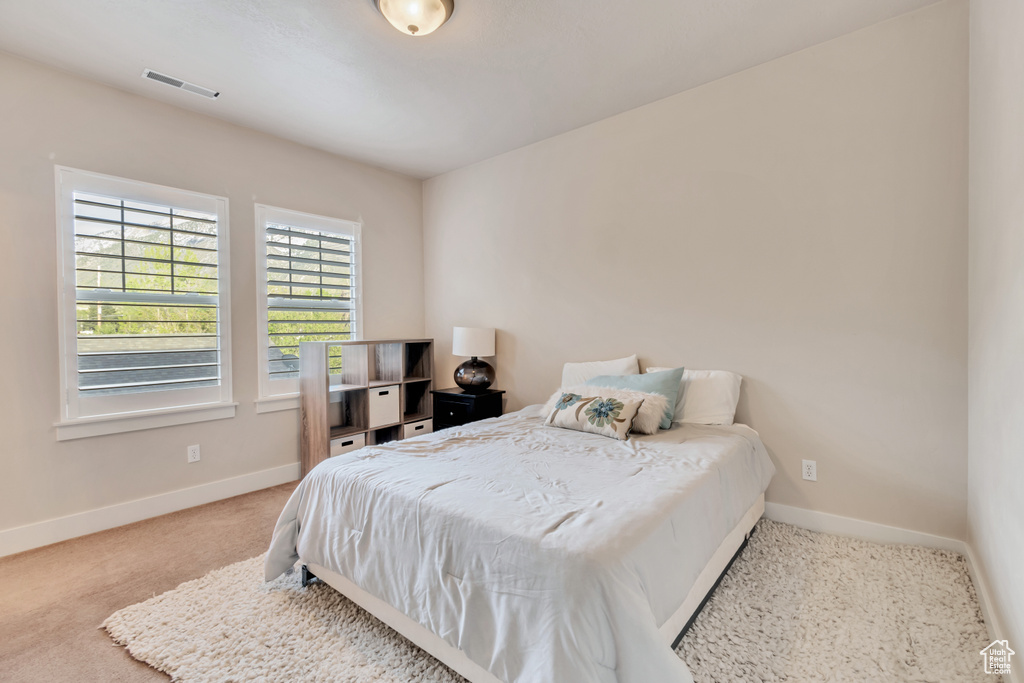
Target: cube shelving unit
361, 393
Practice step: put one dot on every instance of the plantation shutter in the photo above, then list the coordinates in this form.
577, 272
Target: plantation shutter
310, 293
146, 297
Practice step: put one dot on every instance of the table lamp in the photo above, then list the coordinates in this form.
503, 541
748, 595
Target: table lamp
475, 375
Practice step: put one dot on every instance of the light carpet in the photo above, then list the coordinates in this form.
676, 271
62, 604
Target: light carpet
795, 606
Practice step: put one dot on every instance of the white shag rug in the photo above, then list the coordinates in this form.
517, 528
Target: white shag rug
795, 606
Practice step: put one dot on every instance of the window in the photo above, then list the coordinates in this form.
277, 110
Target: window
143, 316
309, 291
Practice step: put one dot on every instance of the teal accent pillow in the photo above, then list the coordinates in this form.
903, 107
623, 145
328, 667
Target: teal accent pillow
665, 383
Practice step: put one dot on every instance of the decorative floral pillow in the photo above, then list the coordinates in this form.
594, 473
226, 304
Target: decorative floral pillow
648, 418
606, 416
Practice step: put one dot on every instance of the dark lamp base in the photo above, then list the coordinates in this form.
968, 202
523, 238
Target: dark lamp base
474, 376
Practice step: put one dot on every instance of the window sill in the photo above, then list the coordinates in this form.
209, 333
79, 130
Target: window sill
272, 404
85, 427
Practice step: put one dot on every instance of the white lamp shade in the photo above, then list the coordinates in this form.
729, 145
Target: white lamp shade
473, 341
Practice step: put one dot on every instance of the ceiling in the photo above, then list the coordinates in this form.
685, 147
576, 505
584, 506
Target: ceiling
333, 74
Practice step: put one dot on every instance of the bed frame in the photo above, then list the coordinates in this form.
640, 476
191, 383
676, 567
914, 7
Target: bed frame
672, 630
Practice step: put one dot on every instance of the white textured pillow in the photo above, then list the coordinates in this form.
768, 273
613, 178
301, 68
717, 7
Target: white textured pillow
647, 420
574, 374
706, 397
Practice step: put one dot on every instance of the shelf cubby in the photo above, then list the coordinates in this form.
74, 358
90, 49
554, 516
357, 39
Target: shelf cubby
416, 403
419, 360
348, 412
339, 432
383, 435
355, 363
387, 366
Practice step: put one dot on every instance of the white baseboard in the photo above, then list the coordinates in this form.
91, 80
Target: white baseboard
858, 528
50, 531
992, 619
882, 533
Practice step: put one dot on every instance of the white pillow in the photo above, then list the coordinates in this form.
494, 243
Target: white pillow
574, 374
706, 397
647, 421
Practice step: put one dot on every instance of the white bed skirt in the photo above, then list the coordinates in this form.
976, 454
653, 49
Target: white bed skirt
457, 660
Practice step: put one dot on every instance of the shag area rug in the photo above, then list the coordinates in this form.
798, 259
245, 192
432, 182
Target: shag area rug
795, 606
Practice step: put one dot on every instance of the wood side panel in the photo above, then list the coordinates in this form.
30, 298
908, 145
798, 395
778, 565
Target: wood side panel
314, 436
428, 359
428, 356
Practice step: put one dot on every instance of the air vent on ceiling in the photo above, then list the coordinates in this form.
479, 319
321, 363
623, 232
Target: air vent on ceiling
178, 83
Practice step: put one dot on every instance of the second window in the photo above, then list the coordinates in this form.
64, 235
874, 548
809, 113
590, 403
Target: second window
310, 290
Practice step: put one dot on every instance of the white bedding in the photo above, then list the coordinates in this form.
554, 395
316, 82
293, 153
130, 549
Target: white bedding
546, 555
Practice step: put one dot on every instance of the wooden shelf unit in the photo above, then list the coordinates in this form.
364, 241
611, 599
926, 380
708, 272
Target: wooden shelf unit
382, 386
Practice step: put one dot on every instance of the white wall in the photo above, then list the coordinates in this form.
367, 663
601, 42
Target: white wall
48, 118
802, 223
995, 509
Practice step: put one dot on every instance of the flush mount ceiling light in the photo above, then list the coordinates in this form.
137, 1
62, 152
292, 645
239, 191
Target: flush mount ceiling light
416, 17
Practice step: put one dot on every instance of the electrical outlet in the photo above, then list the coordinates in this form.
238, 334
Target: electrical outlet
810, 469
193, 453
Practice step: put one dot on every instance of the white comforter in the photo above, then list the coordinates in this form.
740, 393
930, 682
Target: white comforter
546, 555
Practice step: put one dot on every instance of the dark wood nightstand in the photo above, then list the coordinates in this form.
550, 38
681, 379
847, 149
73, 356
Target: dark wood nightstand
454, 407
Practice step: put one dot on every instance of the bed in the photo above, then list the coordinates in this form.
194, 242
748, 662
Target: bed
513, 551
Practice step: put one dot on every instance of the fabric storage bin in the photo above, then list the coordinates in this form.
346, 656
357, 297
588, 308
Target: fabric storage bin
344, 444
417, 428
385, 407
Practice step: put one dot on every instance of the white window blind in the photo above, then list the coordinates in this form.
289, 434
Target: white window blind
311, 290
144, 281
146, 296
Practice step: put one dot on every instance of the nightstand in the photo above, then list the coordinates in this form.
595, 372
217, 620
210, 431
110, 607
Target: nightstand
454, 407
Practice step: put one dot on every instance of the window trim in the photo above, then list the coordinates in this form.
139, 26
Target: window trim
122, 412
273, 398
84, 427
